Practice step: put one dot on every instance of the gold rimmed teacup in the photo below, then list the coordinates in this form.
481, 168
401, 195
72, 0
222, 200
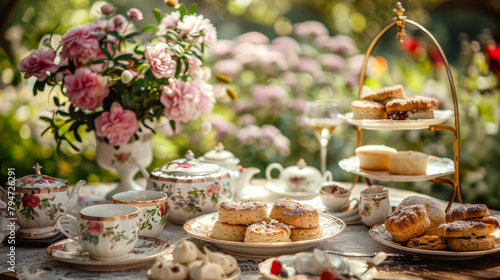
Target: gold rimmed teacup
334, 195
153, 209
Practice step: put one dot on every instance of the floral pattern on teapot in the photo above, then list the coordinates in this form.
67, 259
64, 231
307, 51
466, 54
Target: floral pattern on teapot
31, 206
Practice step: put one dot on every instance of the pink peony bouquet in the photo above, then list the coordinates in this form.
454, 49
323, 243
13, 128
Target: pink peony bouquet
112, 79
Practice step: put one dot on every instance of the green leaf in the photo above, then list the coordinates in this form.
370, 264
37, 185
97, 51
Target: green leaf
172, 124
38, 86
133, 34
182, 10
158, 14
123, 57
192, 9
56, 101
117, 226
147, 27
46, 119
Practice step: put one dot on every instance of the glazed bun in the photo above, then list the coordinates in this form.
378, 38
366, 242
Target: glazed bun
467, 211
295, 214
408, 222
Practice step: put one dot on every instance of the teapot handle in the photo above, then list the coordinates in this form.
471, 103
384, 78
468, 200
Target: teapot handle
270, 168
327, 176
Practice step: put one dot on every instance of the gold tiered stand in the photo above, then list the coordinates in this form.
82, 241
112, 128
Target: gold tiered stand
400, 21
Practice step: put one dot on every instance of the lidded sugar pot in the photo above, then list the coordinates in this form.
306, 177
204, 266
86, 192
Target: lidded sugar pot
39, 200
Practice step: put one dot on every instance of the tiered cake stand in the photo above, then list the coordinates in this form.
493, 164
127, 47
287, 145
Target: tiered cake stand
438, 168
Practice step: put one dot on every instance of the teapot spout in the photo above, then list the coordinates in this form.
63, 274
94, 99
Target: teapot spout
73, 197
247, 175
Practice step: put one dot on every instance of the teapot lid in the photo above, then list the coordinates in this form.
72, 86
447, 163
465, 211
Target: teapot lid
38, 180
218, 154
188, 166
301, 169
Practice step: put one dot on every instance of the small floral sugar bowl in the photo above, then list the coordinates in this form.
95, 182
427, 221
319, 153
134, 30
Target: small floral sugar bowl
39, 200
193, 187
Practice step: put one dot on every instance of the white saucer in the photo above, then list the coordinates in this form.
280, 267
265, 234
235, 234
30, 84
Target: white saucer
278, 188
146, 249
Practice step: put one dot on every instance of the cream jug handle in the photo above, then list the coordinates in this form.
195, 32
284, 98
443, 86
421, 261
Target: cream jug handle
63, 231
270, 168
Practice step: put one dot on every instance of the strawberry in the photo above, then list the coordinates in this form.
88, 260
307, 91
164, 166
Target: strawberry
328, 274
276, 267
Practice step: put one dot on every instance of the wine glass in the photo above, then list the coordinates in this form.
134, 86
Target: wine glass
321, 116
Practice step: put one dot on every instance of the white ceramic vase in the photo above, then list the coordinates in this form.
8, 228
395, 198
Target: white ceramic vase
118, 161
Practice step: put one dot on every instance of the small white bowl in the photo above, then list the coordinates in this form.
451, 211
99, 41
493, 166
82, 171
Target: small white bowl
334, 201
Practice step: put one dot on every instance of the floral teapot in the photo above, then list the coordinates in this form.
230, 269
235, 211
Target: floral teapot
299, 178
193, 187
38, 201
240, 177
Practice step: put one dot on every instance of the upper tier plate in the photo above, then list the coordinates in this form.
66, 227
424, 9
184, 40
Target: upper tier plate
440, 116
437, 167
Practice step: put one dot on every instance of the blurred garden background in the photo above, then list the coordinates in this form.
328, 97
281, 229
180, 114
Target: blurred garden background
280, 54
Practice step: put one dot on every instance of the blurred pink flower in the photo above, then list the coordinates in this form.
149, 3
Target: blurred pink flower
193, 26
247, 119
117, 125
85, 88
269, 131
180, 100
247, 133
299, 105
222, 48
107, 9
310, 29
79, 44
309, 65
135, 14
206, 97
196, 70
332, 62
160, 60
262, 94
117, 22
282, 144
38, 63
341, 44
222, 126
253, 37
168, 22
228, 67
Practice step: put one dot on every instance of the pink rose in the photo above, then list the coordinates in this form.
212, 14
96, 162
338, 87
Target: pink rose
213, 189
117, 126
160, 60
168, 22
135, 14
30, 200
28, 181
193, 26
180, 100
206, 92
86, 89
37, 64
94, 227
79, 44
107, 9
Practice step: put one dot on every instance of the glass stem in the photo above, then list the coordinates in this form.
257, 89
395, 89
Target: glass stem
323, 142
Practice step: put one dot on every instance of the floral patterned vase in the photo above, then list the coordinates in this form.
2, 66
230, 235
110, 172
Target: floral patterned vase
118, 160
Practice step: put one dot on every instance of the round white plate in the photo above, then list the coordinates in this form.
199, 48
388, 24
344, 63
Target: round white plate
146, 249
356, 266
379, 233
278, 188
440, 116
201, 226
437, 167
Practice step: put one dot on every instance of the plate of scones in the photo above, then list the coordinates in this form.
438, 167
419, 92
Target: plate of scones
420, 226
251, 229
390, 109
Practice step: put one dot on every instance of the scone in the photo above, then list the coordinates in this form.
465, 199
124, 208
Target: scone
468, 229
428, 242
435, 212
242, 213
490, 222
467, 211
407, 222
264, 232
228, 232
299, 234
412, 108
386, 94
408, 163
471, 244
374, 157
368, 110
292, 213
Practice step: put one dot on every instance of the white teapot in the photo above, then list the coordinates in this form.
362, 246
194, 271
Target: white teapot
39, 200
299, 178
240, 177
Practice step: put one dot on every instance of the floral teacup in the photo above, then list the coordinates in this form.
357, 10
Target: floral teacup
153, 209
108, 231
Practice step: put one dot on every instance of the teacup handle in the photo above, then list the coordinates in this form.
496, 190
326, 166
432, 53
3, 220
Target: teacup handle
270, 168
63, 231
327, 176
